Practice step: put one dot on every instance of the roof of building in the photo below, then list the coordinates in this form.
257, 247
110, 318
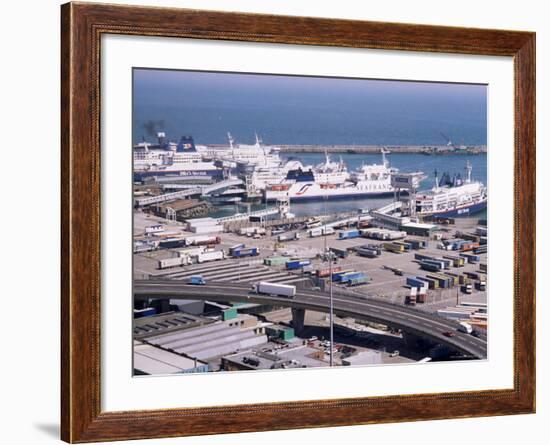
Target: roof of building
159, 324
292, 357
214, 339
149, 359
364, 358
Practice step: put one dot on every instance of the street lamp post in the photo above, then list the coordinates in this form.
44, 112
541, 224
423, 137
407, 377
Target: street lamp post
331, 315
328, 254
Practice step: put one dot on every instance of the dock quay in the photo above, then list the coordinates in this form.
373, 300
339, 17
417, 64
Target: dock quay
332, 220
423, 149
375, 149
245, 217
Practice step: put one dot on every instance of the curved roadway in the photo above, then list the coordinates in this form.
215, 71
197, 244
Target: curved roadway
409, 320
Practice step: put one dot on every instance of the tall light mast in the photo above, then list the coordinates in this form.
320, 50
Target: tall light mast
328, 254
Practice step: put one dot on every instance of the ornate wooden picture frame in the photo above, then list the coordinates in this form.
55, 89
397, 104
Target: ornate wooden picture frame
82, 26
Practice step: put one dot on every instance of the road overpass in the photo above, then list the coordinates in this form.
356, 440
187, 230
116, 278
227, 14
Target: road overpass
412, 321
187, 192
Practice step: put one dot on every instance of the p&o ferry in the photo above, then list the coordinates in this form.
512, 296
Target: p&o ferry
453, 196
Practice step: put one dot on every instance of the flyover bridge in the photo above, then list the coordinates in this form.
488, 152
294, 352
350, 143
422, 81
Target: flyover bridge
408, 320
221, 185
186, 192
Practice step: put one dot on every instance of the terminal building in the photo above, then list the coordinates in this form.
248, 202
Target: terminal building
299, 356
150, 360
201, 338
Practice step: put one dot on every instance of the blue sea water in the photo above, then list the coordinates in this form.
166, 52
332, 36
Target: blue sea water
306, 110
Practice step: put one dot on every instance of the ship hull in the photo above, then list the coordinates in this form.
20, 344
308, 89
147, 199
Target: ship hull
198, 174
462, 211
331, 197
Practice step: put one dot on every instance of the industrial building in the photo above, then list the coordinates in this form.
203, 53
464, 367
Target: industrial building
298, 356
166, 323
181, 209
209, 341
150, 360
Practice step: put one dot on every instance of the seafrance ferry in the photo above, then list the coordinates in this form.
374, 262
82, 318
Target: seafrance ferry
331, 180
453, 196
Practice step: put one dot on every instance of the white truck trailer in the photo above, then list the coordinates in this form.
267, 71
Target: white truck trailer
465, 327
288, 237
320, 231
171, 262
210, 256
193, 251
283, 290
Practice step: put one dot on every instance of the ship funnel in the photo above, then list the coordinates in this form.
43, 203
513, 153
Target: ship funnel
186, 144
161, 137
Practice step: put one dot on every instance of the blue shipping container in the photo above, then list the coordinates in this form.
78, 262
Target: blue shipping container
413, 282
252, 251
337, 275
471, 258
235, 248
297, 264
430, 266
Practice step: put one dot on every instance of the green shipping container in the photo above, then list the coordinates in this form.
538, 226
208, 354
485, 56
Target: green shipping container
229, 314
288, 334
276, 261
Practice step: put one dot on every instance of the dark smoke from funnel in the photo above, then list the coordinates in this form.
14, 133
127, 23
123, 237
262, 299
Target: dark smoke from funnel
152, 127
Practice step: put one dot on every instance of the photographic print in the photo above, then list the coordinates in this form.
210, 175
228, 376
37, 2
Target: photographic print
290, 222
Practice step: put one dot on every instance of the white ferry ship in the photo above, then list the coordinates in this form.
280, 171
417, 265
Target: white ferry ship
170, 158
452, 196
255, 155
332, 180
261, 177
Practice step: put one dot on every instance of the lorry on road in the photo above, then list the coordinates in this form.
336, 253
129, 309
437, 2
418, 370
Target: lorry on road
465, 327
196, 280
281, 290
